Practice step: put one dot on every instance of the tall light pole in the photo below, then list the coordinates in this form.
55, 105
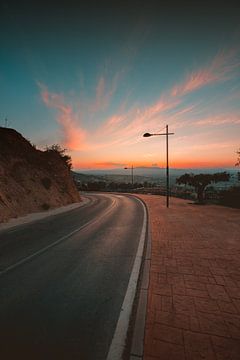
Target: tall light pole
167, 166
126, 168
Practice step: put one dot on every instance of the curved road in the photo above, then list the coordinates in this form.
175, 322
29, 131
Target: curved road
63, 280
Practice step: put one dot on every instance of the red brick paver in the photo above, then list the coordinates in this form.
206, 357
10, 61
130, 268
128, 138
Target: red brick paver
194, 293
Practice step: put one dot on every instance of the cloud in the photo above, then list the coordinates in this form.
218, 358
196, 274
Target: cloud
211, 146
222, 119
105, 89
98, 165
124, 127
220, 69
73, 135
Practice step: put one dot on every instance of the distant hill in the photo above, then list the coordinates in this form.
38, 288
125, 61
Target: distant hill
153, 175
156, 171
108, 178
31, 180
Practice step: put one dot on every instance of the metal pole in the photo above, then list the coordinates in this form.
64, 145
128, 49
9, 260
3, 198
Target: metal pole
167, 168
132, 176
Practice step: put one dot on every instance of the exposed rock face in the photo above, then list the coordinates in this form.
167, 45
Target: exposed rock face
31, 180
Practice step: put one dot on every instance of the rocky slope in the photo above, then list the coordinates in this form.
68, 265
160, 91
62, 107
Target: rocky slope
31, 180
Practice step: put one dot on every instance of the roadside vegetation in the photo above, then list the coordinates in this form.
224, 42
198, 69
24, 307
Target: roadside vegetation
221, 188
57, 149
200, 181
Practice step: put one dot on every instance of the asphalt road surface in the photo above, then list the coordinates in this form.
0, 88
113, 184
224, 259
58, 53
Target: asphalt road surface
63, 280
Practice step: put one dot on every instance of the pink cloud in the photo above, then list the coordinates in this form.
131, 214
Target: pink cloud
125, 127
221, 68
219, 120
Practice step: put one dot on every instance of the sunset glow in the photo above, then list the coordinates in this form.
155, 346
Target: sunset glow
120, 83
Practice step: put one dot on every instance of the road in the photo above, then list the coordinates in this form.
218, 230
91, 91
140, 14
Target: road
63, 280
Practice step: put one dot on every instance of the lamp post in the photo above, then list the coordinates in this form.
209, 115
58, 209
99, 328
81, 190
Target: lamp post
126, 168
167, 166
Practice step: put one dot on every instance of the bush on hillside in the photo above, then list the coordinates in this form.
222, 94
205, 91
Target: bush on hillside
56, 148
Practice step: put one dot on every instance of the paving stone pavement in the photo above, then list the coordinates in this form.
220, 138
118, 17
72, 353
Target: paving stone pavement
193, 310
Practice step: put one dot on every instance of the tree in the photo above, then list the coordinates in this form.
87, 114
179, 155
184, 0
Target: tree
56, 148
238, 157
201, 181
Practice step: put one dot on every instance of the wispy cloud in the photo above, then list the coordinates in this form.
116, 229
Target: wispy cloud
105, 90
212, 146
222, 119
125, 127
221, 68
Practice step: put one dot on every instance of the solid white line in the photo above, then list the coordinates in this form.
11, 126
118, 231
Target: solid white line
91, 222
120, 335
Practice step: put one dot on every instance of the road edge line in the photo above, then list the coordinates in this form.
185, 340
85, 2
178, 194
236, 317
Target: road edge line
118, 343
138, 334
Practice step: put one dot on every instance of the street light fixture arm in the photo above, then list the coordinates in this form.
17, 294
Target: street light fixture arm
167, 166
148, 135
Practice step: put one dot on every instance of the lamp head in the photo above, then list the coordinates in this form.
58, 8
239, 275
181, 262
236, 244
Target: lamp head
146, 135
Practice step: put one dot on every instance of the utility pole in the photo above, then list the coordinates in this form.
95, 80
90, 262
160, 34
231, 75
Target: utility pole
131, 168
6, 122
132, 176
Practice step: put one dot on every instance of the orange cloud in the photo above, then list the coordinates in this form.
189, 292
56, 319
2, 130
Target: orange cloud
73, 134
175, 163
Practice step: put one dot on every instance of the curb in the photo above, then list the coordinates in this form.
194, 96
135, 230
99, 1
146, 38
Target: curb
120, 337
137, 341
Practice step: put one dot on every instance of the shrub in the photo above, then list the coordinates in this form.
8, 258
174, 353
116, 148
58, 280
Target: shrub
56, 148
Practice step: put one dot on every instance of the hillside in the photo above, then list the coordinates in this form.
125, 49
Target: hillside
31, 180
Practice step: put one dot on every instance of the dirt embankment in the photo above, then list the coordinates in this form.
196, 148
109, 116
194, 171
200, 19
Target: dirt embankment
31, 180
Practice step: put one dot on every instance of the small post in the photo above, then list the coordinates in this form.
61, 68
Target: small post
132, 176
167, 167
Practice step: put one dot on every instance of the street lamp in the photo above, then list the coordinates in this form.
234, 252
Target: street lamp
167, 167
126, 168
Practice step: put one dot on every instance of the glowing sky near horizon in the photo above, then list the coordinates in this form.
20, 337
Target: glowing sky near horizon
94, 77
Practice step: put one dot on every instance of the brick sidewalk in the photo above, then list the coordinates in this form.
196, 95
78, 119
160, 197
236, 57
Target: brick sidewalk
194, 293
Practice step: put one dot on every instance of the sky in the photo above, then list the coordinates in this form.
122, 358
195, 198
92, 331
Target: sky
95, 76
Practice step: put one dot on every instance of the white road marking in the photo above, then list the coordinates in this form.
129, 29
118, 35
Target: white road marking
120, 335
27, 258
